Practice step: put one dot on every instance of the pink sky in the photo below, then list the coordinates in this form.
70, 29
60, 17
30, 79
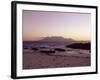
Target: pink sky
39, 24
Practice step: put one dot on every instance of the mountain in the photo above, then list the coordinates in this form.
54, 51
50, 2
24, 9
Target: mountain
57, 39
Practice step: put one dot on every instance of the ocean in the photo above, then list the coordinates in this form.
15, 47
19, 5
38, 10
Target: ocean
27, 44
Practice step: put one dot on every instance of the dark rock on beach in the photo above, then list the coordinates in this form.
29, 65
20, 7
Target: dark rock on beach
85, 46
35, 49
60, 49
49, 51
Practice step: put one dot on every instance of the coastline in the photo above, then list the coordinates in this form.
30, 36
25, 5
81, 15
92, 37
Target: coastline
37, 60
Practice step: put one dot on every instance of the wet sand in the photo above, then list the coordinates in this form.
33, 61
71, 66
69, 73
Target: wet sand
37, 60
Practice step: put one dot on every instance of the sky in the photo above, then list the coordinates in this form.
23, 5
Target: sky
39, 24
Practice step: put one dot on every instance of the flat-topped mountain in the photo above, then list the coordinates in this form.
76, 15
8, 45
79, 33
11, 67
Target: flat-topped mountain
57, 38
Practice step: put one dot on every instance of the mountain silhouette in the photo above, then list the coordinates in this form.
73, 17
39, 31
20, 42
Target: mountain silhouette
57, 38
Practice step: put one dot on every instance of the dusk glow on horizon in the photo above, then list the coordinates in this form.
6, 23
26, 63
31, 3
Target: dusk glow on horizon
39, 24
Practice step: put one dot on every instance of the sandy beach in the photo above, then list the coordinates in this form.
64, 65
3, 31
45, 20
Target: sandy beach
37, 60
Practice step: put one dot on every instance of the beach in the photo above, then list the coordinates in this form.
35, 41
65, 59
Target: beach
69, 58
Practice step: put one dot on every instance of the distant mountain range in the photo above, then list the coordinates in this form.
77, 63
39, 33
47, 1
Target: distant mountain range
57, 39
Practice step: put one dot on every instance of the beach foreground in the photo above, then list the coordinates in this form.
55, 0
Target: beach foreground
38, 60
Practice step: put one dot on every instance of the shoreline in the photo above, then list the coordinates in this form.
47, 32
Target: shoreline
37, 60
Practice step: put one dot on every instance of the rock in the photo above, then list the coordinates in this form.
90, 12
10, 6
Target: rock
60, 49
49, 51
85, 46
35, 49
